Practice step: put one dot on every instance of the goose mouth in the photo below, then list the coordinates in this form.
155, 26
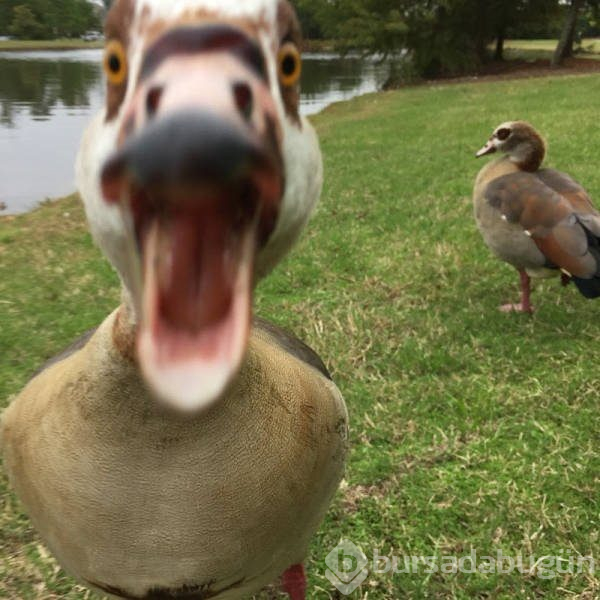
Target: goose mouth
197, 225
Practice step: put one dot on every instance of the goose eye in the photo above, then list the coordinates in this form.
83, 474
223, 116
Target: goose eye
503, 134
290, 65
115, 62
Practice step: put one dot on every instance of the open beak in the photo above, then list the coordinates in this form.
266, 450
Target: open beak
489, 148
199, 178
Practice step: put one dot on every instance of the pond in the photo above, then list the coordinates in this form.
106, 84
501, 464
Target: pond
47, 98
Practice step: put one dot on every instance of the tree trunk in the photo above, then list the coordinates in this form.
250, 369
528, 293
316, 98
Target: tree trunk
481, 48
499, 53
567, 38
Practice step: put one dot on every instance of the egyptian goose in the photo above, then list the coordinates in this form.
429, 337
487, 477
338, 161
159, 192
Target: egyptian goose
182, 450
538, 220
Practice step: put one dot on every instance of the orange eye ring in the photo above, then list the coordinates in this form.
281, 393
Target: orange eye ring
289, 64
115, 62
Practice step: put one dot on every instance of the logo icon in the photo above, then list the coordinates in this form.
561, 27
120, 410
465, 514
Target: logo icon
347, 567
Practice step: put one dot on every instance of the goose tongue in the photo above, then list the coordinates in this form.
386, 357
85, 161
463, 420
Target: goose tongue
197, 302
194, 274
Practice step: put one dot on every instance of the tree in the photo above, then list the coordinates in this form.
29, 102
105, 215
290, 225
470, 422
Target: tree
309, 20
505, 18
564, 49
437, 36
24, 24
7, 15
44, 19
581, 18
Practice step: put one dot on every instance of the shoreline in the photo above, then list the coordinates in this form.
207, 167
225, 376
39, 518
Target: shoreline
508, 70
41, 45
515, 70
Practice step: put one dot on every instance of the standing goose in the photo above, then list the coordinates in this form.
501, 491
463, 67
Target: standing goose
538, 220
184, 451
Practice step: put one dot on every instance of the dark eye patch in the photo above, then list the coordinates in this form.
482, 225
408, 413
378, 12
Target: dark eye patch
192, 40
503, 134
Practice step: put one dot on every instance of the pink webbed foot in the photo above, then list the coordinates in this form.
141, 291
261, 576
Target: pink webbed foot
294, 582
516, 308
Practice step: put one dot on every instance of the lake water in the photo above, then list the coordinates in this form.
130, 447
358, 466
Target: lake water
46, 99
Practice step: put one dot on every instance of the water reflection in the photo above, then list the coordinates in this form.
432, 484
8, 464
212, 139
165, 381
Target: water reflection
35, 82
328, 78
37, 86
47, 98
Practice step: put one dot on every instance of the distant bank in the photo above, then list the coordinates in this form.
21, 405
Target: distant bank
24, 45
65, 44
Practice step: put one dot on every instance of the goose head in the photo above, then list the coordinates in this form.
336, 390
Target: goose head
520, 142
197, 177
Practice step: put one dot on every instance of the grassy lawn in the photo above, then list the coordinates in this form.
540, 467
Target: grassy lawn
532, 49
65, 44
471, 429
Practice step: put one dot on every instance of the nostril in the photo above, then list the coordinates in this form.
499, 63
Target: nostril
153, 100
244, 99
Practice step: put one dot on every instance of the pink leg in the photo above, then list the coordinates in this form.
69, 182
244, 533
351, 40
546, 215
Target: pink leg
525, 305
294, 582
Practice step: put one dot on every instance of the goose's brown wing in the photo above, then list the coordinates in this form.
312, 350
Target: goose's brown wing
568, 237
567, 187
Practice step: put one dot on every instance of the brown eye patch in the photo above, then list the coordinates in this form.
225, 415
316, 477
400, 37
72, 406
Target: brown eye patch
503, 134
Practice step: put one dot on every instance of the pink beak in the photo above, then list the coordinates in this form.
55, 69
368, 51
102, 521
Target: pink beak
489, 148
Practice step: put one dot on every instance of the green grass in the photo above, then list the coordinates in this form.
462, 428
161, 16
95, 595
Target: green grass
534, 49
61, 44
548, 45
470, 428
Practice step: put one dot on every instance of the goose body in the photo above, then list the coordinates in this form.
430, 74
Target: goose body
184, 450
135, 500
504, 239
540, 221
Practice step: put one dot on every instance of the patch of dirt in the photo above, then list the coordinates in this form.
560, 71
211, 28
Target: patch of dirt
519, 69
355, 494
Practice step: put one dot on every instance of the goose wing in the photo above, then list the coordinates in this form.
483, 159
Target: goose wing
567, 187
559, 217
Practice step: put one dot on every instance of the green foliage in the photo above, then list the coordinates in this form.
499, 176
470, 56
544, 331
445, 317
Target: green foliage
47, 19
308, 19
438, 36
448, 37
24, 24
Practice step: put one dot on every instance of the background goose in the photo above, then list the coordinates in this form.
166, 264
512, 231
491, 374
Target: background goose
538, 220
181, 451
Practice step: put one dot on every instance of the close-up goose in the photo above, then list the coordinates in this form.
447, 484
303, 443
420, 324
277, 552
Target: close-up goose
183, 449
540, 221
